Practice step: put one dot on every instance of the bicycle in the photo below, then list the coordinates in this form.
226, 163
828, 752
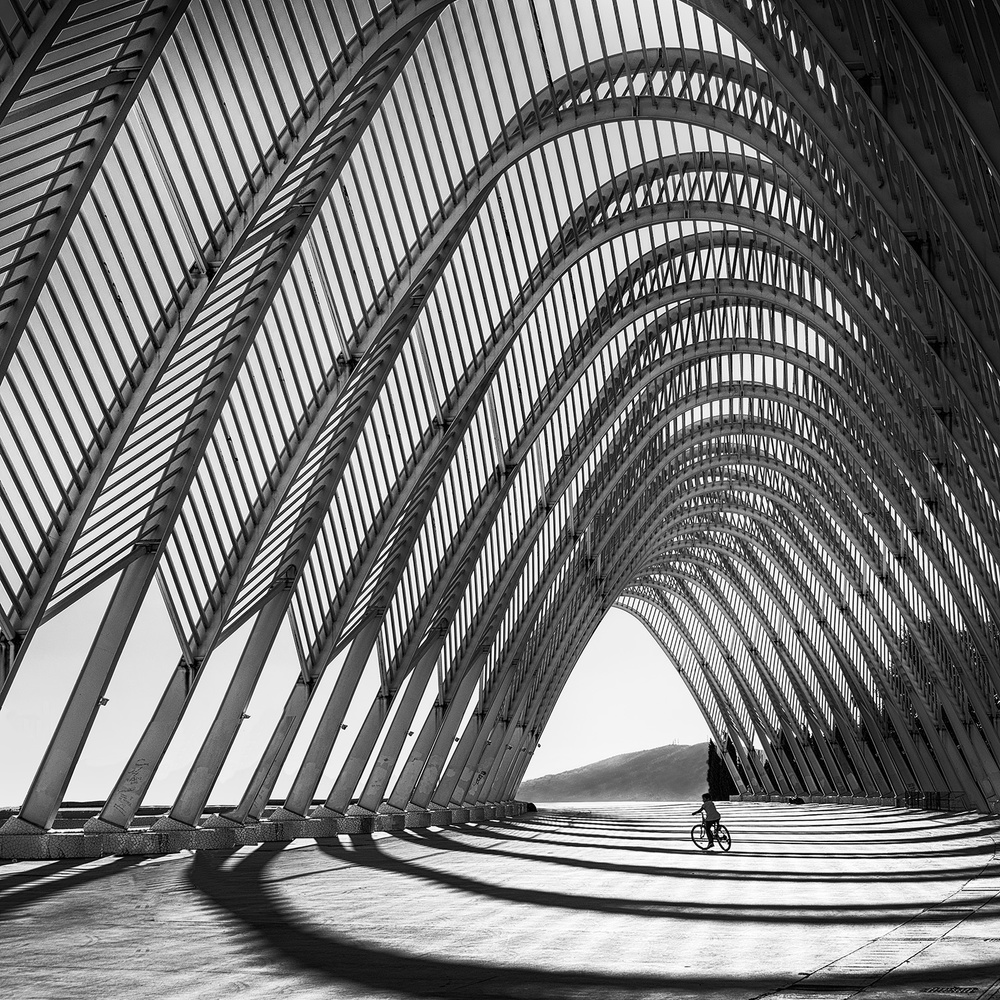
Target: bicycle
699, 836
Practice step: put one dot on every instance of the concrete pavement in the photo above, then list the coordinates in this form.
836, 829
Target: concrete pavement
817, 901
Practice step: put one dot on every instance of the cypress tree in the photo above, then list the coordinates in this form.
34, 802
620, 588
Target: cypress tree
720, 782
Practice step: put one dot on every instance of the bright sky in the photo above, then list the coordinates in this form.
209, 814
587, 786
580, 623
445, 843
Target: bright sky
623, 695
644, 705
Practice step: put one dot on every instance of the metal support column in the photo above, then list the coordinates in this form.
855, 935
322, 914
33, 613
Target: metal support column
432, 746
392, 744
339, 799
197, 787
310, 772
56, 769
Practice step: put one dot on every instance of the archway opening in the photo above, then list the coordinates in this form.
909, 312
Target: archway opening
624, 697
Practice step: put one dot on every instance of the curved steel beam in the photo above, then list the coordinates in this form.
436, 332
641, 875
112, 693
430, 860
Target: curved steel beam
241, 276
972, 791
240, 293
330, 479
457, 420
55, 132
928, 711
445, 239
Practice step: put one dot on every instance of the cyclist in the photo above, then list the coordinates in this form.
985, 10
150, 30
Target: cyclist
711, 817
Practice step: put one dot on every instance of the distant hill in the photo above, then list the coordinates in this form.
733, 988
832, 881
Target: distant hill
662, 774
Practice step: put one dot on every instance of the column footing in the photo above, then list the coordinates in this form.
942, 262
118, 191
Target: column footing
219, 821
23, 841
98, 825
167, 824
17, 827
283, 815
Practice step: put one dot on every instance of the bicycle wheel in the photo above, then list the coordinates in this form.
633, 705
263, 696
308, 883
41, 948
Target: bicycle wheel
722, 838
699, 837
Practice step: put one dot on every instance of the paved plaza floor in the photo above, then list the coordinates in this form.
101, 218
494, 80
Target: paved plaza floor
817, 901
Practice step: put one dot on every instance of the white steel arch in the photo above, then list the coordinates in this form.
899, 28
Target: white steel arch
425, 331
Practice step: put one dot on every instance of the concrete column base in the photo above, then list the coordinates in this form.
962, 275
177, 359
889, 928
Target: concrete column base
98, 825
23, 842
283, 815
167, 825
220, 822
16, 826
417, 819
322, 812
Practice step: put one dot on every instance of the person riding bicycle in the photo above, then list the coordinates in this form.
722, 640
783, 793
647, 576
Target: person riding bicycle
711, 817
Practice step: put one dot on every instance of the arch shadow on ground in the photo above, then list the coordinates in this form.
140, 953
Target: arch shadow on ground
246, 889
284, 914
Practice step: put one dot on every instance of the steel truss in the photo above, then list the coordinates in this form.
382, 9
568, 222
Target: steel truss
425, 332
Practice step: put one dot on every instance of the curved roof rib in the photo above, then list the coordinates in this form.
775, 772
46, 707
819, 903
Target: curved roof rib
424, 332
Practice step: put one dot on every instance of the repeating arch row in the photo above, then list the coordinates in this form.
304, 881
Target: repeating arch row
381, 348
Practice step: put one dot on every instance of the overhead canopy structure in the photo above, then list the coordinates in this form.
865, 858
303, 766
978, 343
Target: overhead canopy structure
432, 330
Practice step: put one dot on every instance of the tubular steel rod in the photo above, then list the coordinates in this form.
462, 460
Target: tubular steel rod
435, 330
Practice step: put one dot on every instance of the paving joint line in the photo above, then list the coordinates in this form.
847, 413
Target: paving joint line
991, 991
